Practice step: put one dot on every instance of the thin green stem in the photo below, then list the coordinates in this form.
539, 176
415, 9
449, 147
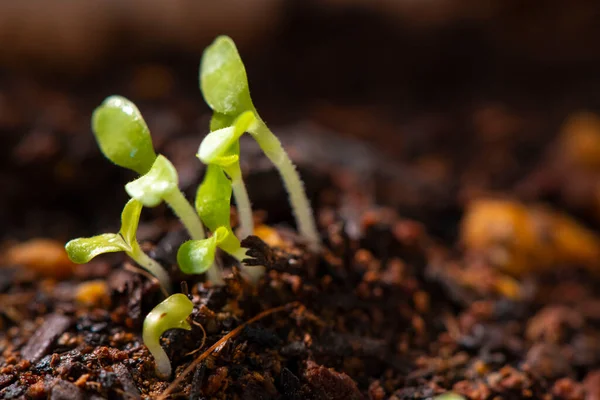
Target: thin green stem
186, 213
301, 208
151, 266
244, 208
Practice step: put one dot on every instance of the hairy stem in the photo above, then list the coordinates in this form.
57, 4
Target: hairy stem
151, 266
186, 213
301, 208
244, 208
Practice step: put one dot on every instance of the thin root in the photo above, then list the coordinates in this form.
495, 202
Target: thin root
198, 324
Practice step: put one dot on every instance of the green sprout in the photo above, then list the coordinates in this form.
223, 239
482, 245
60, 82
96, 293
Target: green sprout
221, 148
161, 183
172, 313
124, 138
82, 250
224, 84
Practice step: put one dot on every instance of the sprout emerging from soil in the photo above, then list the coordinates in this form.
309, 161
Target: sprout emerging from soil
224, 84
172, 313
212, 204
82, 250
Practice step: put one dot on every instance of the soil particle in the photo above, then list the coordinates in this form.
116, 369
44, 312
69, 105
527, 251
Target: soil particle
547, 360
64, 390
40, 343
591, 384
290, 385
328, 384
124, 377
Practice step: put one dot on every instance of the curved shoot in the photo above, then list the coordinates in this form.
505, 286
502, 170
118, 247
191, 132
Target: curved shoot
82, 250
172, 313
122, 134
224, 84
161, 183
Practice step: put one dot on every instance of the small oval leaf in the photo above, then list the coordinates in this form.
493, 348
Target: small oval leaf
197, 256
122, 134
82, 250
219, 145
213, 198
215, 144
151, 188
223, 79
130, 218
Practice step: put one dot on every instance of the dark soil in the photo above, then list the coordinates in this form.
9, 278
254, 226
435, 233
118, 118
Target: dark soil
392, 308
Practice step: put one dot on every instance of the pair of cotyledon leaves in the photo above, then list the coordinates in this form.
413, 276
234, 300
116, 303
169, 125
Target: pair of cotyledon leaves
124, 138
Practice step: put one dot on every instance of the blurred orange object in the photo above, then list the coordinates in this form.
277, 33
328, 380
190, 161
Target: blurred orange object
44, 256
520, 239
579, 141
93, 294
268, 235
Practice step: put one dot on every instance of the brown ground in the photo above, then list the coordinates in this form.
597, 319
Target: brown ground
399, 305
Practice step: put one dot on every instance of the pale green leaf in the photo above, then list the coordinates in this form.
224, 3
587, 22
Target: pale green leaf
151, 188
219, 145
123, 135
197, 256
229, 242
82, 250
213, 198
223, 79
130, 218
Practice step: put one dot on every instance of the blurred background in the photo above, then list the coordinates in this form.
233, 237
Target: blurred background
429, 102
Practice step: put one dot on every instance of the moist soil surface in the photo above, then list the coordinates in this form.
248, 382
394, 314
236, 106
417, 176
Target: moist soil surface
392, 307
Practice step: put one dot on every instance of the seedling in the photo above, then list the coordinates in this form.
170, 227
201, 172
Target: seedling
172, 313
82, 250
221, 148
212, 204
224, 84
124, 138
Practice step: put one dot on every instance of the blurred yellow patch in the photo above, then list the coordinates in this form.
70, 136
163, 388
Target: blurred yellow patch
268, 235
522, 239
93, 294
45, 257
